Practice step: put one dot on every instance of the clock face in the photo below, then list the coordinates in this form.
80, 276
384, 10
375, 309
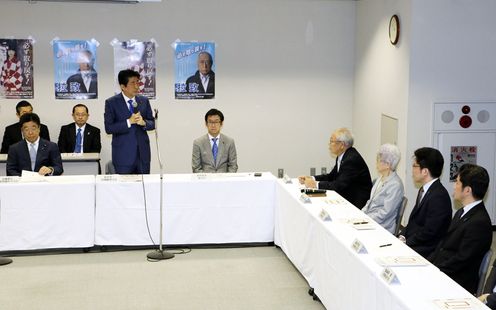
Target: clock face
394, 29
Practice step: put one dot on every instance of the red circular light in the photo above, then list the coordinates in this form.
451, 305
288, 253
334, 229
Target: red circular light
465, 121
465, 109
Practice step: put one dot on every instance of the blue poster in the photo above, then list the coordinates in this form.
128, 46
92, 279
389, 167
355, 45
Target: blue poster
195, 70
76, 69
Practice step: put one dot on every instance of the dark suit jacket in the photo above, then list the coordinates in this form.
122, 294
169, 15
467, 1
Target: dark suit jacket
460, 253
48, 155
13, 135
91, 141
128, 143
491, 301
202, 93
429, 221
78, 80
353, 180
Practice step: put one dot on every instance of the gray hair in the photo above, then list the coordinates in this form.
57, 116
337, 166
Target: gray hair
389, 154
344, 135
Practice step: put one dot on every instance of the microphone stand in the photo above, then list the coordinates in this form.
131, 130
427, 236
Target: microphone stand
5, 261
159, 254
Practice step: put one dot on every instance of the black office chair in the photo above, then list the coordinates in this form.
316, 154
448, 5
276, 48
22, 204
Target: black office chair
484, 266
5, 261
399, 217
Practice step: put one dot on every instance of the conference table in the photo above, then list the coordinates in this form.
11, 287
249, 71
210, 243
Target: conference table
352, 262
73, 163
197, 209
82, 211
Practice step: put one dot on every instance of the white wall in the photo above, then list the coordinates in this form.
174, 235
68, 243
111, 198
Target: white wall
452, 58
381, 77
284, 72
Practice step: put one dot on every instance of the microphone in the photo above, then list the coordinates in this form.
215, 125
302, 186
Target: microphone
156, 113
135, 106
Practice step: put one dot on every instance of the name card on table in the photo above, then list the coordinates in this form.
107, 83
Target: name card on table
286, 179
325, 216
9, 179
458, 303
358, 247
305, 199
389, 276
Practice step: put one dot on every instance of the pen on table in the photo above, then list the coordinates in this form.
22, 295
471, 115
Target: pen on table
385, 245
358, 223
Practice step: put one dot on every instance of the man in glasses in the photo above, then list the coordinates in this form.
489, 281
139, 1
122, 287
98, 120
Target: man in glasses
214, 152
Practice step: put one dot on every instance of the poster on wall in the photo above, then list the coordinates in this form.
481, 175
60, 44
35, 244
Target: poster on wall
76, 70
195, 70
459, 156
140, 57
16, 78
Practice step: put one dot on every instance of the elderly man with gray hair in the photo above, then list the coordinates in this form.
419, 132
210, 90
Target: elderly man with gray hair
387, 192
350, 176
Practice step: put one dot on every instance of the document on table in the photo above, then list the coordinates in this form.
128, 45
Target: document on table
397, 261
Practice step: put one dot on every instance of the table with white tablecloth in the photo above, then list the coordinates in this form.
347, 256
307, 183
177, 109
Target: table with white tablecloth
197, 209
54, 212
347, 277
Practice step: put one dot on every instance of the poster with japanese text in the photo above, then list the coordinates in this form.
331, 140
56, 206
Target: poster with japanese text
461, 155
140, 57
16, 78
76, 70
195, 70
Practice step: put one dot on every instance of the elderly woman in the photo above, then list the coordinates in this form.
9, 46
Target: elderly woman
387, 192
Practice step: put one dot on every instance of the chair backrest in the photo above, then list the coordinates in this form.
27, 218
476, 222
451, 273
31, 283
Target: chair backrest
399, 216
109, 168
484, 266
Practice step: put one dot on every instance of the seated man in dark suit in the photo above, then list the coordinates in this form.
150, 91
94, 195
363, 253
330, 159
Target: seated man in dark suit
431, 215
13, 132
350, 176
79, 136
33, 153
469, 236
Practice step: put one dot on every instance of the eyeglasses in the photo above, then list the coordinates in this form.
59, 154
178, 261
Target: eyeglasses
30, 129
335, 141
80, 114
415, 166
214, 123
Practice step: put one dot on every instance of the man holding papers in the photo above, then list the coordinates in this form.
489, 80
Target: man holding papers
469, 236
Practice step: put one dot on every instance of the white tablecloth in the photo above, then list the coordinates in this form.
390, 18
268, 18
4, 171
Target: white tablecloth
342, 278
58, 212
198, 209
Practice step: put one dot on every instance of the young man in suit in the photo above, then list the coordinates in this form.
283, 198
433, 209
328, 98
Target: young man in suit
214, 152
128, 116
431, 215
13, 132
79, 136
469, 236
350, 176
33, 153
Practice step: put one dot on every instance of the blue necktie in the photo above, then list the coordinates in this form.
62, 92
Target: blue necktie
215, 149
77, 148
32, 155
131, 109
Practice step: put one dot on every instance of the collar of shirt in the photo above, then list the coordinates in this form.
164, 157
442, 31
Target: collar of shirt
212, 137
340, 158
127, 99
469, 207
427, 185
35, 144
82, 128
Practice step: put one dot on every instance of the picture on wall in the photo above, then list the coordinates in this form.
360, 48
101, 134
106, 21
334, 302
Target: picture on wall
140, 57
16, 59
195, 70
76, 71
461, 155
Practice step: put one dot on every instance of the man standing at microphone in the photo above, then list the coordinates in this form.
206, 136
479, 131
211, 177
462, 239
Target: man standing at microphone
127, 118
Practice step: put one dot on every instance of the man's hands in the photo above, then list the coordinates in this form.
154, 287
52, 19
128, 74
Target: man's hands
137, 119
